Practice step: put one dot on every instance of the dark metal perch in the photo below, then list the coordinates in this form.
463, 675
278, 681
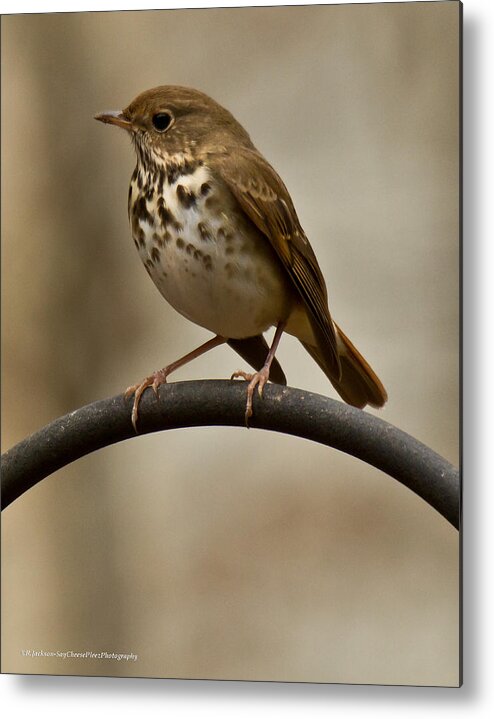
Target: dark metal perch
220, 402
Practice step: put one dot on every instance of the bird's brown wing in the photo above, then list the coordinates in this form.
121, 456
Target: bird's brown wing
264, 198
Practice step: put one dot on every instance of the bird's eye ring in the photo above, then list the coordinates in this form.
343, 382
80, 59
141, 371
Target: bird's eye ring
162, 121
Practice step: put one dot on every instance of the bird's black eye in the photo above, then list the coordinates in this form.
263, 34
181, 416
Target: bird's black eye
162, 121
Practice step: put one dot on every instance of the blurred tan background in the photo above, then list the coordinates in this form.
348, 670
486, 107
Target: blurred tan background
224, 553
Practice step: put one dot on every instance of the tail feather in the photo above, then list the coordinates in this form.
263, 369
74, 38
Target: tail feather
358, 384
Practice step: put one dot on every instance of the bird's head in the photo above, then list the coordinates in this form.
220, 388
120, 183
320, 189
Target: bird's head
171, 119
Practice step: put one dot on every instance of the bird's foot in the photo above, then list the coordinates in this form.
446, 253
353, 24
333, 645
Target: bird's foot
257, 379
154, 380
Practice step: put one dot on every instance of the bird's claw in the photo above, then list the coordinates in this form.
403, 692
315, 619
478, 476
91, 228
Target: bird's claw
240, 373
257, 379
154, 381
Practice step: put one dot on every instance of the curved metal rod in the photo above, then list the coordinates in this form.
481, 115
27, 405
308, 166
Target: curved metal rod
222, 402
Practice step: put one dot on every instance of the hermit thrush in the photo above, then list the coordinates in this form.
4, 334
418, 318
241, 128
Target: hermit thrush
218, 233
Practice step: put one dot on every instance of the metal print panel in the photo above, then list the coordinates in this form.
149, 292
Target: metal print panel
294, 208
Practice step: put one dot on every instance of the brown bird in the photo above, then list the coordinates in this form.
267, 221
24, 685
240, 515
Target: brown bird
218, 233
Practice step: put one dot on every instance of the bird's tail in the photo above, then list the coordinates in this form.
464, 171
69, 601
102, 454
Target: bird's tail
358, 384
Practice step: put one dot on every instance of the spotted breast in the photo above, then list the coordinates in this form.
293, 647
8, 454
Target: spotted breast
206, 258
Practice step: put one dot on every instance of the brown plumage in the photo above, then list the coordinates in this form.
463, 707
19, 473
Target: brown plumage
218, 233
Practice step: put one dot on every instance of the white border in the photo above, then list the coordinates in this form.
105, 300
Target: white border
97, 697
31, 6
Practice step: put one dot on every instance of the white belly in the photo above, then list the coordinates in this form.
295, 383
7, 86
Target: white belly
220, 276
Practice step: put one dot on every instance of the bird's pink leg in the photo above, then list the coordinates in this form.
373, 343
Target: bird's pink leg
159, 377
259, 379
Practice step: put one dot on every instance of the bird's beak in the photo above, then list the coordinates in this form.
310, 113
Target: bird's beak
115, 117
